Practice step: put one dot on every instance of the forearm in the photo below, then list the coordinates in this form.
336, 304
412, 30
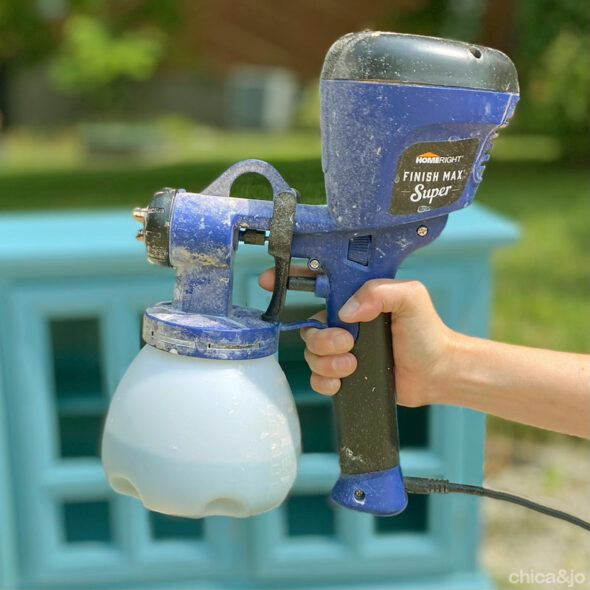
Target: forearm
539, 387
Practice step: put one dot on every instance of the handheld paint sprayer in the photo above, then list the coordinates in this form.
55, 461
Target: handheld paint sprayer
203, 422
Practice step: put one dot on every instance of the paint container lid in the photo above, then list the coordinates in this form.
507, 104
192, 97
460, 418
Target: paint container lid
243, 335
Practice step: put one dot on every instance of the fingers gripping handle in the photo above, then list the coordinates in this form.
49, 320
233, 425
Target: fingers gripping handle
366, 421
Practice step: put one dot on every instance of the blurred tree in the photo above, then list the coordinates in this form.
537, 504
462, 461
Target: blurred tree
456, 19
422, 18
552, 54
93, 62
24, 38
134, 37
23, 32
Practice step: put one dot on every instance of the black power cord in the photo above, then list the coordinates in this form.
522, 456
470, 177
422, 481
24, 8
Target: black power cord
427, 485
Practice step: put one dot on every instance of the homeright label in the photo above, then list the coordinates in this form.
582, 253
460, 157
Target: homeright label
431, 175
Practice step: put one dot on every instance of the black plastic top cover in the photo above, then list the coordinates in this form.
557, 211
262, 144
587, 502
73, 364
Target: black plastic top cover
413, 59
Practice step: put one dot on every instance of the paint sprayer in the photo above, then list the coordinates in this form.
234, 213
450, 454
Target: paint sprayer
203, 422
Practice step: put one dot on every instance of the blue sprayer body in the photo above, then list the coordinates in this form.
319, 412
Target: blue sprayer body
398, 157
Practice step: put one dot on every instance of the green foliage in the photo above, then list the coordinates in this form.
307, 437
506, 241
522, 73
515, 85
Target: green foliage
23, 34
538, 22
423, 18
91, 58
555, 94
552, 56
567, 63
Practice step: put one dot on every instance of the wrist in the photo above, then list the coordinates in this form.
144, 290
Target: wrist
446, 380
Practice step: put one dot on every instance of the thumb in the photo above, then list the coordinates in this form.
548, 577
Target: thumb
400, 298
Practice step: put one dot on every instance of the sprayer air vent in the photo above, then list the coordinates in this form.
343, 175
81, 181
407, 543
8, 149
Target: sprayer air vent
359, 249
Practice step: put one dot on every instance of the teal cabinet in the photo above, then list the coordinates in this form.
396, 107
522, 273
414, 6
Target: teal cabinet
71, 305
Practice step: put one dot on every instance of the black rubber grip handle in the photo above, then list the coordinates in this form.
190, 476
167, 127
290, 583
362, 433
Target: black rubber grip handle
365, 406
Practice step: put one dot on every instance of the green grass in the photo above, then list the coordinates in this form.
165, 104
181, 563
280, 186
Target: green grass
543, 281
115, 187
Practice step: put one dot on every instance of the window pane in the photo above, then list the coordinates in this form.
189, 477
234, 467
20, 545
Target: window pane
80, 435
79, 389
173, 527
76, 358
310, 515
87, 521
413, 426
413, 519
317, 427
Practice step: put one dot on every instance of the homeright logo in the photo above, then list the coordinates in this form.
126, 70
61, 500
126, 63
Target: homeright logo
432, 158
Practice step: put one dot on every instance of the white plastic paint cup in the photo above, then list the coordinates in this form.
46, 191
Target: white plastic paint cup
198, 437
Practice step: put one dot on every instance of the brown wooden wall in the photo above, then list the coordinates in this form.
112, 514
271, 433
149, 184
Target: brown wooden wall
293, 34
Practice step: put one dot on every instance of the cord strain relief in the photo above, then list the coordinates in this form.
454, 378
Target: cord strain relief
426, 485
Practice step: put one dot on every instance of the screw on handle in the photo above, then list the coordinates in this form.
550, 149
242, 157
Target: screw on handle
366, 423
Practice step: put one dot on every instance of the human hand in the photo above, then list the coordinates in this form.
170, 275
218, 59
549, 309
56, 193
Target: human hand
422, 343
